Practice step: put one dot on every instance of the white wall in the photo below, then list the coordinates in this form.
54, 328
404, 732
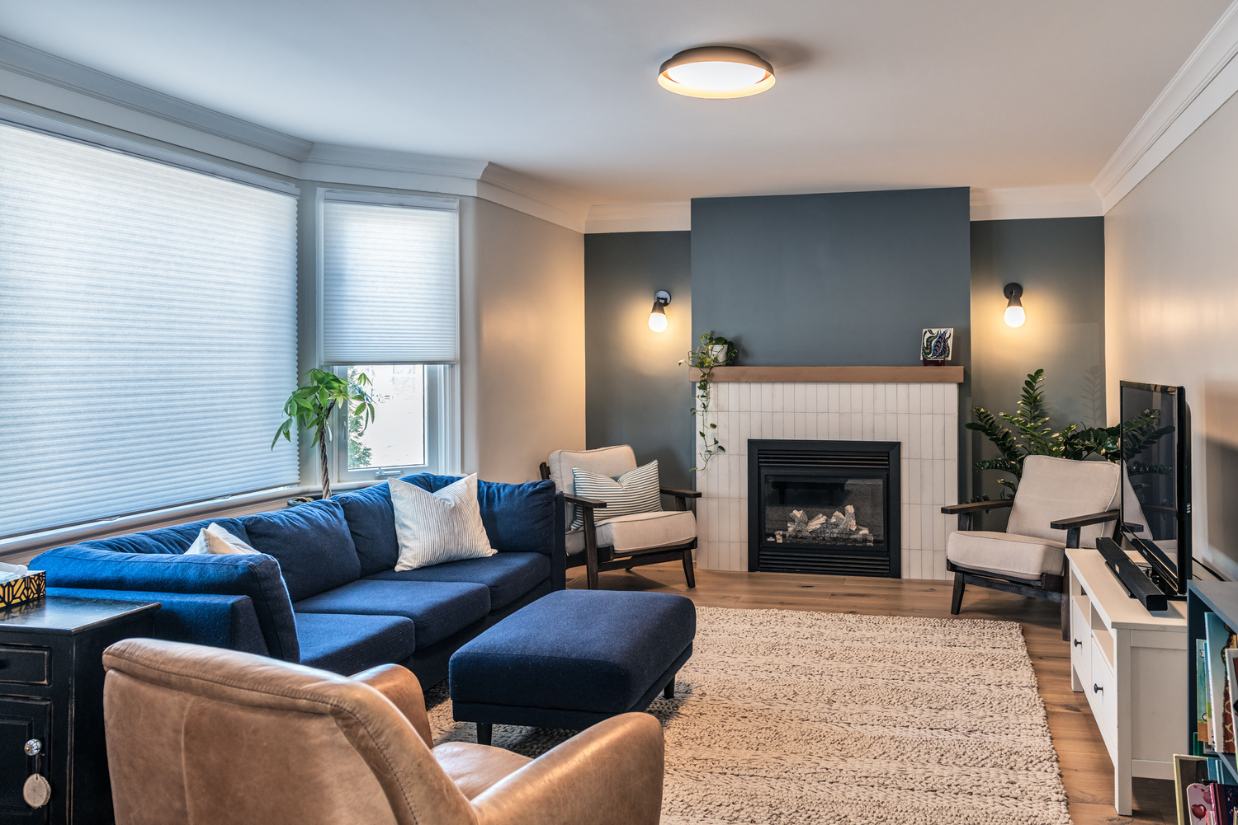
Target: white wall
523, 340
1171, 290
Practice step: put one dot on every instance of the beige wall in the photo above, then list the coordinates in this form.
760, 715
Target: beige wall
1171, 288
522, 343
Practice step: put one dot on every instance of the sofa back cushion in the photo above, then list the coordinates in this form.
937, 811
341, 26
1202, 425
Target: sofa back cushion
371, 521
312, 543
83, 567
175, 539
519, 518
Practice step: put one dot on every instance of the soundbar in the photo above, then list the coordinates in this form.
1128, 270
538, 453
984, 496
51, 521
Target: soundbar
1136, 581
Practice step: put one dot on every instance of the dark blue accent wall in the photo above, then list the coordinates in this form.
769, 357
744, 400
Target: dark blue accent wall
846, 278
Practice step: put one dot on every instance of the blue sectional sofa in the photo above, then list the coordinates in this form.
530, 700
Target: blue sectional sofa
324, 591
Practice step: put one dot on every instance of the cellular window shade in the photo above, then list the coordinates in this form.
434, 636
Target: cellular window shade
390, 284
147, 332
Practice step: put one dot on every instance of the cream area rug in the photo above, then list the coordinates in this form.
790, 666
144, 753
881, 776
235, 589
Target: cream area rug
787, 717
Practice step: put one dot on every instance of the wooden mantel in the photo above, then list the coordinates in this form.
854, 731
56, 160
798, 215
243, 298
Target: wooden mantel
840, 375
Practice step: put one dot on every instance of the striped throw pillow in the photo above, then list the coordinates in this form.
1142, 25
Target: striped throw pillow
636, 491
438, 527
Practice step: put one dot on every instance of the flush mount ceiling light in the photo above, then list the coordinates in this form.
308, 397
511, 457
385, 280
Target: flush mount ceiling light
716, 72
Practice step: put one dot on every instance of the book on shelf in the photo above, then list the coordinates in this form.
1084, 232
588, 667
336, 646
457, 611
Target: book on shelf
1203, 705
1218, 638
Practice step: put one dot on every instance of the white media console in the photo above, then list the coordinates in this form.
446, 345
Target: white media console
1132, 666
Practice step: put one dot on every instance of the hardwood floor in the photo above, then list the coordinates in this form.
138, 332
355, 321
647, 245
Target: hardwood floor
1086, 770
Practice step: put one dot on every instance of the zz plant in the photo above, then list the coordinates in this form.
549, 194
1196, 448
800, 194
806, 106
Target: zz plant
1028, 431
310, 407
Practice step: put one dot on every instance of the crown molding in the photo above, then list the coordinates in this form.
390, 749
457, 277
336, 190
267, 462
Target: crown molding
1030, 202
668, 216
1207, 79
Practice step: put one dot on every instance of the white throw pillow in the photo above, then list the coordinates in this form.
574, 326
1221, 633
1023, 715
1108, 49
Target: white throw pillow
636, 491
433, 528
214, 540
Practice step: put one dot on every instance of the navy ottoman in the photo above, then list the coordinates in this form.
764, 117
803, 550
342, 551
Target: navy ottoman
571, 659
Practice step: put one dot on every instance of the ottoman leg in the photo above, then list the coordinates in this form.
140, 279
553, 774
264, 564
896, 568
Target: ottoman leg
669, 690
485, 733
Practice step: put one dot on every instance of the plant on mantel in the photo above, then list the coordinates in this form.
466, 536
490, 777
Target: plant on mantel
713, 351
310, 407
1028, 431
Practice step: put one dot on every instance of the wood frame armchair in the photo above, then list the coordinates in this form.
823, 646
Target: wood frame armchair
598, 556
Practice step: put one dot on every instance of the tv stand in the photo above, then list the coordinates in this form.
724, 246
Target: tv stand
1131, 664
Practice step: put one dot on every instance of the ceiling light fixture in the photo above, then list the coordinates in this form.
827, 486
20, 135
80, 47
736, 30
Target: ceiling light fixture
717, 72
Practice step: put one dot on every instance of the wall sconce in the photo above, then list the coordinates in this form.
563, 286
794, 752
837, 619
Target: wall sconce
657, 315
1015, 316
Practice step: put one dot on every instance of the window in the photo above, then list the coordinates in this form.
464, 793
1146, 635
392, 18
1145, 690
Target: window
391, 311
148, 331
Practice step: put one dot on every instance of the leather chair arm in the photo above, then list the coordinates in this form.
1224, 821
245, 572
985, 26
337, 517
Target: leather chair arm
610, 774
401, 687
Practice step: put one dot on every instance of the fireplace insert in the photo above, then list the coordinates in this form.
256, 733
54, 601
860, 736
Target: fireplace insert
824, 507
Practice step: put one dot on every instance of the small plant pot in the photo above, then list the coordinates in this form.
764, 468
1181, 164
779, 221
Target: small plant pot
719, 353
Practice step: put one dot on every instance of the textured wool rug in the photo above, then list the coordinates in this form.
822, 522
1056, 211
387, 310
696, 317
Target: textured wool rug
786, 717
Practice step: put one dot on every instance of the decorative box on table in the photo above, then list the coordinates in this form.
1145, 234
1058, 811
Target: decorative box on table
23, 589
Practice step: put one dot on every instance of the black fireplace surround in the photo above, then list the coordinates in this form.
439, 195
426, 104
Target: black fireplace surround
824, 507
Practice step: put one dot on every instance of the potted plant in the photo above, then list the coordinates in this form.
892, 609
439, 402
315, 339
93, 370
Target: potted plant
310, 407
713, 351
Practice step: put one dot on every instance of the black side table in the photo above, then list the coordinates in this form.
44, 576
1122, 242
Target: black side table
51, 704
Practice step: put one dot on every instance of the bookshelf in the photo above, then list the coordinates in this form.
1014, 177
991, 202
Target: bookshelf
1219, 599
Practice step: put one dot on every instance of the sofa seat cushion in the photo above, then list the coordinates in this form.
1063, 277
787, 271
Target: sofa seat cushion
312, 543
641, 531
508, 575
1008, 554
348, 644
596, 651
438, 609
474, 768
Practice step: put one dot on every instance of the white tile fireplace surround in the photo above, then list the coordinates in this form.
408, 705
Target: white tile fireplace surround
877, 404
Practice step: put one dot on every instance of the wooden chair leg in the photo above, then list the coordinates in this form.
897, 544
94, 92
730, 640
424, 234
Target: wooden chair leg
591, 571
956, 602
687, 569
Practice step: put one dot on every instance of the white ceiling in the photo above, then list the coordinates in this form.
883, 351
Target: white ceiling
870, 93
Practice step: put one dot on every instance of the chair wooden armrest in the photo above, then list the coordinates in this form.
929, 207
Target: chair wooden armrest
1073, 524
587, 504
968, 510
681, 496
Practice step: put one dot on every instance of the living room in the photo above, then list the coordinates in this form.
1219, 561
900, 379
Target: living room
596, 413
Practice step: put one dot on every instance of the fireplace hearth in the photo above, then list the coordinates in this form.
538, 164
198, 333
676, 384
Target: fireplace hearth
824, 507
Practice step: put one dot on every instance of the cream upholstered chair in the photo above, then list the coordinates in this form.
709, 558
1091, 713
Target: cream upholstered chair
1060, 503
627, 541
198, 734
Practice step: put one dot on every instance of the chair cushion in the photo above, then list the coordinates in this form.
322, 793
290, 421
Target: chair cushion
508, 575
587, 650
642, 531
1056, 488
438, 609
1009, 554
636, 491
474, 768
575, 542
312, 544
348, 644
607, 461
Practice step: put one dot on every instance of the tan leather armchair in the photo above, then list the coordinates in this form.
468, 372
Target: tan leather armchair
197, 734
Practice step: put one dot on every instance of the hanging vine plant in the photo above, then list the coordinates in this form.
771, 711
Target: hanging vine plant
712, 352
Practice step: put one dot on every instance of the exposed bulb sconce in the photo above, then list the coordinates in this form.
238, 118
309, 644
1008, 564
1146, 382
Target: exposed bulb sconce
657, 315
1015, 316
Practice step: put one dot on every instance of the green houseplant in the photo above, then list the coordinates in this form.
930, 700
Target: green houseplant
309, 407
1028, 431
713, 351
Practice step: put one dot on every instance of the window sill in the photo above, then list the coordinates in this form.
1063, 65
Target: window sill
32, 544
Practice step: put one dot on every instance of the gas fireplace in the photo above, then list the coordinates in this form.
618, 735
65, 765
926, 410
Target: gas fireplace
824, 507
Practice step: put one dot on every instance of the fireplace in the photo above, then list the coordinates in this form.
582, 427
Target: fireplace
824, 507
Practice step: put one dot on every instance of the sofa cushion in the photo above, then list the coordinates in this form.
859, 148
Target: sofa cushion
438, 609
519, 518
1009, 554
348, 644
254, 575
371, 521
641, 531
588, 650
312, 544
508, 575
175, 539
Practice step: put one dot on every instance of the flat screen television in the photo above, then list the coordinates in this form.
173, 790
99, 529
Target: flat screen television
1156, 482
